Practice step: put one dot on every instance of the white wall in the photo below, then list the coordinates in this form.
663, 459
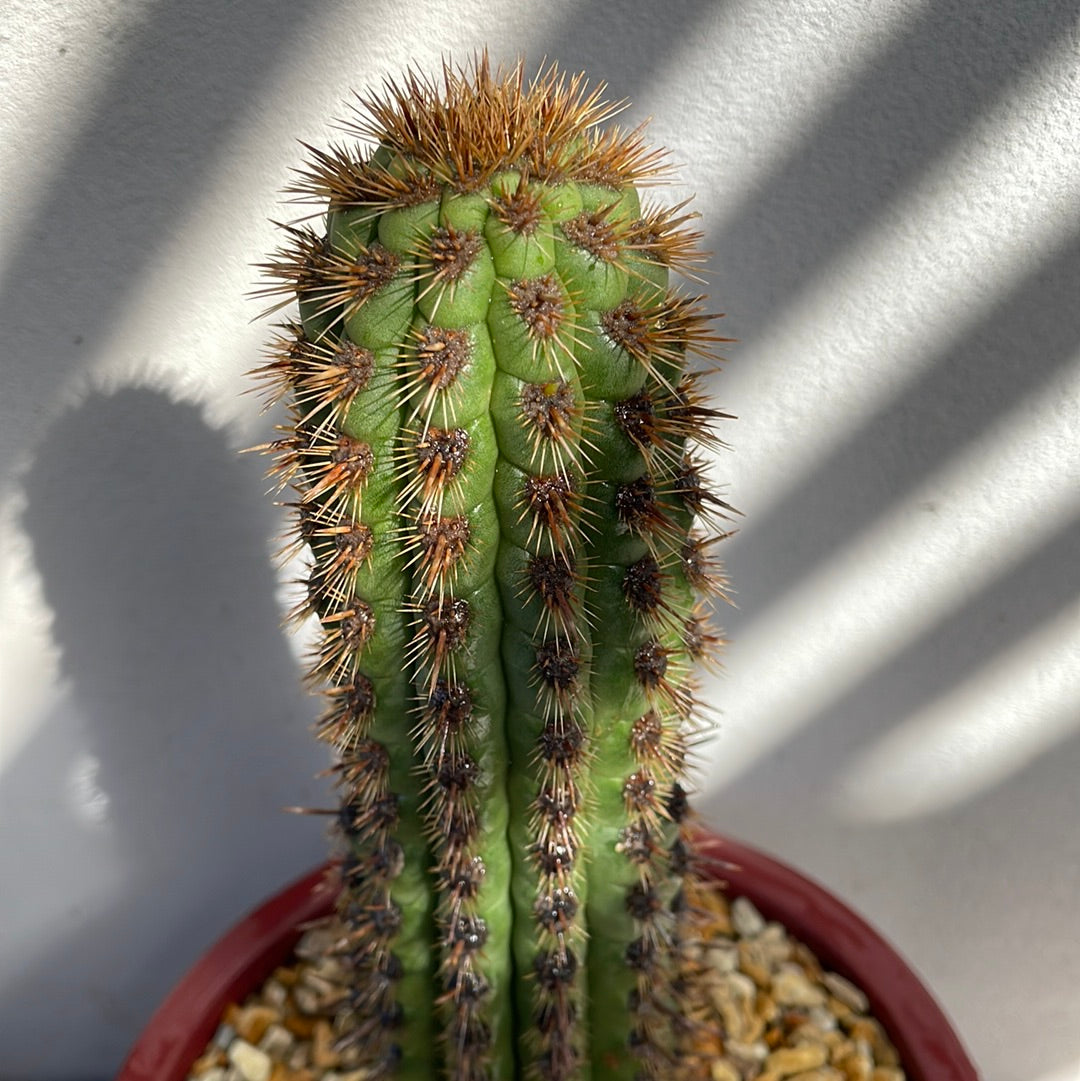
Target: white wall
891, 191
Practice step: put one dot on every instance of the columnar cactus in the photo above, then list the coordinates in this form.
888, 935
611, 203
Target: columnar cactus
492, 412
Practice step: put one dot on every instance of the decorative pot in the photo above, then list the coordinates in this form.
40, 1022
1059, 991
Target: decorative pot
237, 963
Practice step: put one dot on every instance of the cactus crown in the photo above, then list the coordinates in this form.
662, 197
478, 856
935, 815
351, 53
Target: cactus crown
491, 420
475, 123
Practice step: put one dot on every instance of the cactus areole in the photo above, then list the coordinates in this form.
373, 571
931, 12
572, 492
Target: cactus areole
494, 397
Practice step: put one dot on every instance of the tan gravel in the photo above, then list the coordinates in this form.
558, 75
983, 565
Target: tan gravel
778, 1015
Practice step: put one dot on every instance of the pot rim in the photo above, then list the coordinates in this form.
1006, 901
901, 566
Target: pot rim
929, 1048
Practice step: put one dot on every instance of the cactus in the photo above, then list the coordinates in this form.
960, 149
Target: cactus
493, 398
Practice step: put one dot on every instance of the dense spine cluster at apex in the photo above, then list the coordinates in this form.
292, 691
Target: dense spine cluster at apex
494, 397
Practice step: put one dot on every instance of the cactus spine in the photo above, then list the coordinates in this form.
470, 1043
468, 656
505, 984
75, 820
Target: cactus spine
492, 415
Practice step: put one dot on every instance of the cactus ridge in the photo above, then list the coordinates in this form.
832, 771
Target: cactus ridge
490, 438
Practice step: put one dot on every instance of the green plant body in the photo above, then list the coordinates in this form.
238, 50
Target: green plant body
494, 397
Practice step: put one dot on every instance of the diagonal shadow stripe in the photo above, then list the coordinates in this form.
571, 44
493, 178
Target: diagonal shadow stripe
190, 77
1019, 346
901, 113
954, 649
594, 39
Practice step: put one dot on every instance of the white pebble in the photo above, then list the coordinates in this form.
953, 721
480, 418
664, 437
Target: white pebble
253, 1064
746, 1055
315, 944
792, 988
724, 958
307, 1001
823, 1018
746, 919
277, 1041
275, 994
846, 992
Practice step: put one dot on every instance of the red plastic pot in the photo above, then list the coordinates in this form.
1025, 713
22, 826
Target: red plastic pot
929, 1048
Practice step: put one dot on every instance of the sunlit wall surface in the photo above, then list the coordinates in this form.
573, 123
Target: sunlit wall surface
891, 190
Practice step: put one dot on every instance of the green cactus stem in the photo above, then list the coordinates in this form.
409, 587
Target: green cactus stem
494, 396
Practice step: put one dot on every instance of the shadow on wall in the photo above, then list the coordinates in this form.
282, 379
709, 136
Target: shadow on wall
1026, 342
900, 116
185, 77
626, 43
967, 642
981, 884
150, 535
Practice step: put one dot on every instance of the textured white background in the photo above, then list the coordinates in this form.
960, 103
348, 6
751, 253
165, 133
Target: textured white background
891, 192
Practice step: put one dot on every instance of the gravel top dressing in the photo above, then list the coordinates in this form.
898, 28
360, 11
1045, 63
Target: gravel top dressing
777, 1014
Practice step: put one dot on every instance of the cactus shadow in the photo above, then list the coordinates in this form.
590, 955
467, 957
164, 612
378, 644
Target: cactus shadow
149, 533
186, 79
